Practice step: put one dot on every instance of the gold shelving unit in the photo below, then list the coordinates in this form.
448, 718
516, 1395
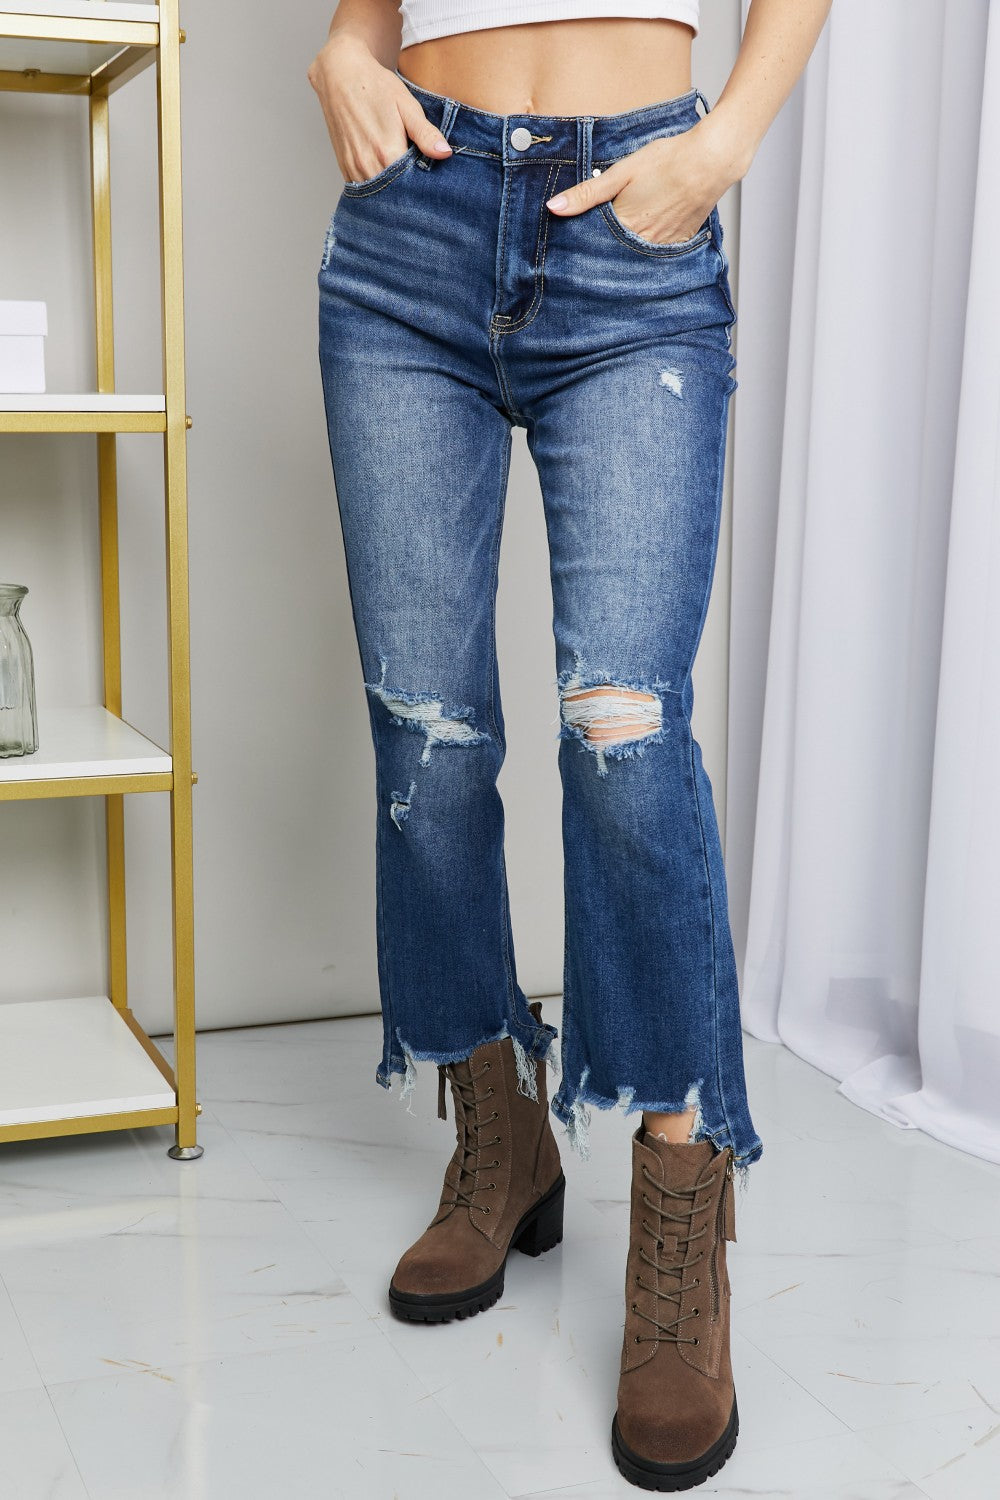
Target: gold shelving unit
78, 1065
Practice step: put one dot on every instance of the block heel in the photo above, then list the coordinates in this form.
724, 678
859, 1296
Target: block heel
542, 1227
504, 1147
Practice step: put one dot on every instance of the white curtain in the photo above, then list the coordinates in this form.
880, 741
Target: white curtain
863, 830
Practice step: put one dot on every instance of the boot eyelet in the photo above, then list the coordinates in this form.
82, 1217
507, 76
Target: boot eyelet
485, 1209
633, 1307
636, 1340
494, 1163
490, 1090
697, 1312
491, 1184
697, 1341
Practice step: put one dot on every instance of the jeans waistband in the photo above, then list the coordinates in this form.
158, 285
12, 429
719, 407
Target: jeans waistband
581, 139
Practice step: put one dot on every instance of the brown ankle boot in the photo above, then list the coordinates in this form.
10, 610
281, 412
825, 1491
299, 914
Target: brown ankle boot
503, 1188
676, 1422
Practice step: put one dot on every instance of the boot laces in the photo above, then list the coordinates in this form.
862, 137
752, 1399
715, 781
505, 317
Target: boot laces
668, 1332
469, 1142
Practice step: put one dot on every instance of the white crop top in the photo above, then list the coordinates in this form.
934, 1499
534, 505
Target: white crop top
424, 19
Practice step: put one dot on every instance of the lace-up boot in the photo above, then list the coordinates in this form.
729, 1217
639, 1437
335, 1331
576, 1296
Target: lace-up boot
503, 1188
676, 1422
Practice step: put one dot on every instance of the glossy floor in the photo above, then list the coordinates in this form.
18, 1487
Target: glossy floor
218, 1330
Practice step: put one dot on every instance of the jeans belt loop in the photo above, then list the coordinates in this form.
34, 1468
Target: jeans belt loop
704, 101
448, 116
584, 146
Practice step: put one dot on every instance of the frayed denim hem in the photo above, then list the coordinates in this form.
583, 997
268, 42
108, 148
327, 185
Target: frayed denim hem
573, 1108
404, 1062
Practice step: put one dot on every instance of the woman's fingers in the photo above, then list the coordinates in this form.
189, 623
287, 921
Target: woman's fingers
651, 191
582, 195
425, 136
370, 114
371, 149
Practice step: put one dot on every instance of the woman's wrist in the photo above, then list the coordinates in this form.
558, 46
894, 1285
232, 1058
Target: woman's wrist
359, 42
346, 41
731, 141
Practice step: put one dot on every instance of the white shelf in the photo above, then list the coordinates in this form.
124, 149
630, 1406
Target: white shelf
63, 1058
82, 401
81, 10
70, 57
86, 741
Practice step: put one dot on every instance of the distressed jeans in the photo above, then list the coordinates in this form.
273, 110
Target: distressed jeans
453, 306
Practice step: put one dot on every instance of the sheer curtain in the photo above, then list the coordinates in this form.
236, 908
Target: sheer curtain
863, 838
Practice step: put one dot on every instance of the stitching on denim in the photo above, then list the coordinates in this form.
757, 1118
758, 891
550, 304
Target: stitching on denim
662, 252
502, 251
711, 912
385, 995
494, 330
568, 1007
720, 459
387, 1001
723, 275
505, 386
494, 571
539, 265
376, 184
585, 146
540, 247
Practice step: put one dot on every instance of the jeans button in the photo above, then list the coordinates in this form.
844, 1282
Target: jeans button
520, 138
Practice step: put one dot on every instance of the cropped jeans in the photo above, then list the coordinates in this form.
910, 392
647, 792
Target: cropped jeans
454, 306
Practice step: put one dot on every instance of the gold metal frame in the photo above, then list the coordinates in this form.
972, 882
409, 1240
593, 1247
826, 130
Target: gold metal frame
139, 45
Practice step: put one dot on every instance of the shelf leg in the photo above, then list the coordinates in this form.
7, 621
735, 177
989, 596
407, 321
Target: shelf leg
107, 492
179, 643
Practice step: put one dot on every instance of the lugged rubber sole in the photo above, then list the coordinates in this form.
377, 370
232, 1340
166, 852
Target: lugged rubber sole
649, 1475
538, 1230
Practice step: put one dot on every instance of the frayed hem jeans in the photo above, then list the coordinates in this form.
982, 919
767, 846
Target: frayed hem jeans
453, 306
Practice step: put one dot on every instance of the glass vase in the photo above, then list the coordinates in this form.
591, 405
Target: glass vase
18, 718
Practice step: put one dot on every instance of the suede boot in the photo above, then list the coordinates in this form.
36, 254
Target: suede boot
503, 1189
676, 1422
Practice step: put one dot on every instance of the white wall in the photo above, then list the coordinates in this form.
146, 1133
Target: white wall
284, 809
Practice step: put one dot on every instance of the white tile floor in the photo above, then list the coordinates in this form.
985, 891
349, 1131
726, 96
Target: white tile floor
218, 1330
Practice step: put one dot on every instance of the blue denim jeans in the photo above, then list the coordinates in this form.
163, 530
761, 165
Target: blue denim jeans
453, 306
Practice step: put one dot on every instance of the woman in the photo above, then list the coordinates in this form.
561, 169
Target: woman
528, 235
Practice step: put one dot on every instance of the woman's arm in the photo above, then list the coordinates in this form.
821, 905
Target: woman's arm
666, 190
370, 114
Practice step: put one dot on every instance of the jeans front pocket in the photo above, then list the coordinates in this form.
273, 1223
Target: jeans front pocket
382, 179
638, 242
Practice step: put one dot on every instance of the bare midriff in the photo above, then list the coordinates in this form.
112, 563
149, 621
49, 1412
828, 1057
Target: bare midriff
570, 67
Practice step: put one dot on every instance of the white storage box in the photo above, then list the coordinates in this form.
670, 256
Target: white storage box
23, 326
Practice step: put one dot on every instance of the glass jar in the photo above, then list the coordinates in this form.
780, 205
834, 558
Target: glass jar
18, 720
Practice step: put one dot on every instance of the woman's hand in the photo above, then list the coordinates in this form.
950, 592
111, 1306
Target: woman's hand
370, 113
666, 190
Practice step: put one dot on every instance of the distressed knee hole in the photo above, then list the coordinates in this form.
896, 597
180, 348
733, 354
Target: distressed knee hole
606, 716
617, 714
427, 715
